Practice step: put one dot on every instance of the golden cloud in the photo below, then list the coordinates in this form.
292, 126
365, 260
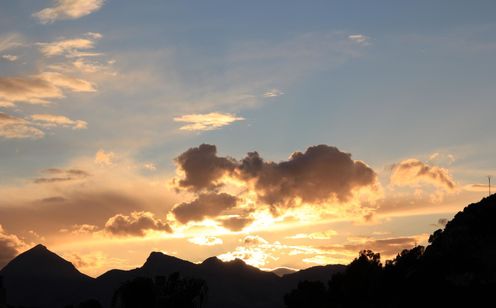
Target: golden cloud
208, 121
413, 172
68, 9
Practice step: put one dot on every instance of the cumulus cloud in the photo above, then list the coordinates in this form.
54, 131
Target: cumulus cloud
208, 121
273, 93
39, 89
61, 175
317, 176
104, 158
135, 224
10, 246
320, 173
202, 167
17, 128
206, 205
52, 120
68, 9
413, 172
205, 240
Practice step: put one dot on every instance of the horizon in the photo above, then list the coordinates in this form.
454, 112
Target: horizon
287, 135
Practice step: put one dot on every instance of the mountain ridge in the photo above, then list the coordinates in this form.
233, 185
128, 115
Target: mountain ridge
24, 275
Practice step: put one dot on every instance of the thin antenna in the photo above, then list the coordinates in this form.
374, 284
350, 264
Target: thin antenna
489, 178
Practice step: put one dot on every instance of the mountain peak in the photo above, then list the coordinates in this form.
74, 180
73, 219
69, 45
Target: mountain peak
40, 261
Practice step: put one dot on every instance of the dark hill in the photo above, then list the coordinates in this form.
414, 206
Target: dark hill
40, 278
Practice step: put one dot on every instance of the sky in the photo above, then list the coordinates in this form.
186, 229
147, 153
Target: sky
284, 133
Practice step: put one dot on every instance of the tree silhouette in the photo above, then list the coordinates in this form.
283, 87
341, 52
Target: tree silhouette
172, 292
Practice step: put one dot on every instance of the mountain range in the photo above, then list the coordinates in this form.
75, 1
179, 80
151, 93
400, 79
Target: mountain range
40, 278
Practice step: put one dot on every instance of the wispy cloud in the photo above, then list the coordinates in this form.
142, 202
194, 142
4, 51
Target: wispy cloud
68, 9
17, 128
208, 121
359, 38
41, 88
9, 41
9, 57
273, 93
71, 47
206, 240
52, 120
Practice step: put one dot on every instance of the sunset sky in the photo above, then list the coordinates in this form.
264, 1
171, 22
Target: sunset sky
284, 133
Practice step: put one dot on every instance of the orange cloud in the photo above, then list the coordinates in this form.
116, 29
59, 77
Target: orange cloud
135, 224
208, 121
10, 246
68, 9
414, 172
17, 128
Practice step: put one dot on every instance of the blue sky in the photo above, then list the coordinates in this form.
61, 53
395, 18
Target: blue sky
386, 81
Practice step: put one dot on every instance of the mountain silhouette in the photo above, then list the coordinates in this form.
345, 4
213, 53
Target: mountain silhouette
457, 269
51, 282
40, 278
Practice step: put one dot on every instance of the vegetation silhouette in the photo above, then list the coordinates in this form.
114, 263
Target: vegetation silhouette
457, 269
171, 292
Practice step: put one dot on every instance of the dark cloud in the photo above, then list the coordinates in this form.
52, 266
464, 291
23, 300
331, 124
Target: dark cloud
318, 174
236, 223
9, 246
386, 247
135, 224
202, 167
55, 199
61, 175
441, 222
206, 205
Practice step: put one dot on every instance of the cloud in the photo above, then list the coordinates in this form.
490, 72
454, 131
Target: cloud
273, 93
206, 240
323, 235
52, 120
441, 222
65, 46
320, 173
9, 41
413, 172
39, 89
17, 128
61, 175
135, 224
10, 246
254, 240
8, 57
205, 205
359, 38
387, 247
236, 223
150, 166
104, 158
202, 167
68, 9
78, 229
208, 121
